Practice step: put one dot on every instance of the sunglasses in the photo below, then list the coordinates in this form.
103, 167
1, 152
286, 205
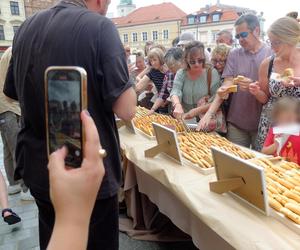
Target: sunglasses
221, 62
244, 34
199, 61
274, 43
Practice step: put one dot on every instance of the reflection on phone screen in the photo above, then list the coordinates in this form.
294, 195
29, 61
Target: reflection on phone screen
64, 105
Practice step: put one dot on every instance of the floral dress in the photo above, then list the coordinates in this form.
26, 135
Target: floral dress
277, 90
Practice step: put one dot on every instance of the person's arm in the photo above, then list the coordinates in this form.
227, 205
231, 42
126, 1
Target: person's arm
270, 145
126, 99
142, 84
260, 89
143, 73
270, 150
9, 88
295, 81
73, 191
176, 94
116, 89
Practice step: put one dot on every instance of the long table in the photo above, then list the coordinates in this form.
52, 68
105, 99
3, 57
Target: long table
213, 221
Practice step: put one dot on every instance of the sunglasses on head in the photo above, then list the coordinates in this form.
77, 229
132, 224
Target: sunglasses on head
199, 61
242, 35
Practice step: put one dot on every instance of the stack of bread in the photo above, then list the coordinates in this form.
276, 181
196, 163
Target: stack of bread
145, 123
141, 111
283, 186
195, 147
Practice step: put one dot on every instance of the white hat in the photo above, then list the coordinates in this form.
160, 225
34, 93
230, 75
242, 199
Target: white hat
185, 38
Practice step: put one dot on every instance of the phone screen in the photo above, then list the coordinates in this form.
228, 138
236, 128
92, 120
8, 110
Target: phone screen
64, 107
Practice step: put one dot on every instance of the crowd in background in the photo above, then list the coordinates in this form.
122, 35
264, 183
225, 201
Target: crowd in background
191, 83
187, 81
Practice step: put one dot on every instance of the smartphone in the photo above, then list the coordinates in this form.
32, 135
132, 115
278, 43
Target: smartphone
132, 59
65, 97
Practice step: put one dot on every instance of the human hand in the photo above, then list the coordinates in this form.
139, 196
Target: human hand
295, 80
254, 88
151, 112
178, 111
222, 92
73, 191
244, 84
189, 115
204, 122
131, 68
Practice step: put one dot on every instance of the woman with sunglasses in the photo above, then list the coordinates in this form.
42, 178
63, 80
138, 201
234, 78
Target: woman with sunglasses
191, 83
218, 60
284, 37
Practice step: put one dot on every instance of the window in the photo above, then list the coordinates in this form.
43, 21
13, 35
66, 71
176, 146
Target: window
216, 17
125, 38
134, 37
214, 35
155, 35
14, 8
144, 36
203, 19
203, 37
191, 20
166, 34
2, 37
15, 29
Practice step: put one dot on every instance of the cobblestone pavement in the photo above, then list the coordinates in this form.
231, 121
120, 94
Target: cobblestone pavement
25, 237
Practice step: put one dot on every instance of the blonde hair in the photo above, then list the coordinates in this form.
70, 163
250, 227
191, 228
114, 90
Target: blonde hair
156, 52
222, 50
287, 29
285, 104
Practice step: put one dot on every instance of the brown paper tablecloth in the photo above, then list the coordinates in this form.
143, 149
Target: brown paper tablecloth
213, 221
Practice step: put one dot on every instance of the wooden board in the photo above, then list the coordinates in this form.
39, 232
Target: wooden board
254, 191
163, 134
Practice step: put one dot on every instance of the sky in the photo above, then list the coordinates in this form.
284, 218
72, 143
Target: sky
272, 9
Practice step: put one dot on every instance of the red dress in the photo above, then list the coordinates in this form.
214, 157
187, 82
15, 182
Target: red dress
291, 148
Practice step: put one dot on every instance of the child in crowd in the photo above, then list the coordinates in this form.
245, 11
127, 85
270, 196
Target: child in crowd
286, 112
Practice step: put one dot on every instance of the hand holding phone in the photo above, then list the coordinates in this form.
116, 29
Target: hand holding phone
66, 97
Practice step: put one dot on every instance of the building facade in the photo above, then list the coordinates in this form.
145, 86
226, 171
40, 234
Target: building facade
208, 21
12, 14
125, 7
159, 23
33, 6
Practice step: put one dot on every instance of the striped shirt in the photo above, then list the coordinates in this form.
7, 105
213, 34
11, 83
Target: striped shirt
167, 86
157, 77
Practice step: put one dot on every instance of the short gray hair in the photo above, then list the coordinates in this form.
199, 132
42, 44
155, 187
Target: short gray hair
226, 33
174, 56
250, 19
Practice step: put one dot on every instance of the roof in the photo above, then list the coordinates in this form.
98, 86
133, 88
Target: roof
151, 14
228, 12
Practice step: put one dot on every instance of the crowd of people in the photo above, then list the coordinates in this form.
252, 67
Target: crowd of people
191, 84
79, 207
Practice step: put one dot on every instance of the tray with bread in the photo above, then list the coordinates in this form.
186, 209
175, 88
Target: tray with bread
196, 150
144, 124
283, 187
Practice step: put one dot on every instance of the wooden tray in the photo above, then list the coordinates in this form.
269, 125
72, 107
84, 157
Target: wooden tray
152, 138
201, 170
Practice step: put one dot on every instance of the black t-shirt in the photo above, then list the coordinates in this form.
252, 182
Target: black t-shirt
157, 77
66, 35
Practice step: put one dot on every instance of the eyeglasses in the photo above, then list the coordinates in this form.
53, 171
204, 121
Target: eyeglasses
199, 61
274, 43
221, 62
244, 34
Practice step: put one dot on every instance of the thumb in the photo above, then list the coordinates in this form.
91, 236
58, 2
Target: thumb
57, 160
